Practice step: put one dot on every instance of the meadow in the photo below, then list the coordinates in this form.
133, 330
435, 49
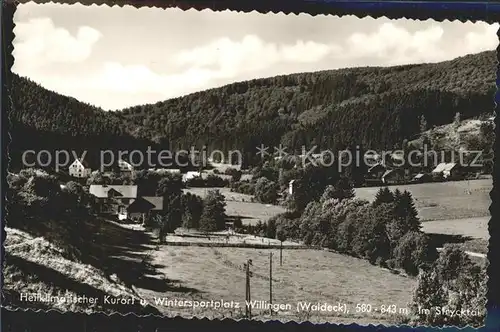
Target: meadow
444, 200
241, 205
200, 273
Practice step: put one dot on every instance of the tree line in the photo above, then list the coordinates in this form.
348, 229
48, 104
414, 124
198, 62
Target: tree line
372, 107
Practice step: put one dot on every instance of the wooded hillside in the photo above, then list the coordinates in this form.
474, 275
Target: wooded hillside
373, 107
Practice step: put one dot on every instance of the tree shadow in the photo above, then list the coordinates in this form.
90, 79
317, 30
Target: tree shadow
35, 272
121, 251
164, 285
439, 240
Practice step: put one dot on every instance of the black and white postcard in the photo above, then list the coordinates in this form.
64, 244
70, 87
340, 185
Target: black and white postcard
208, 164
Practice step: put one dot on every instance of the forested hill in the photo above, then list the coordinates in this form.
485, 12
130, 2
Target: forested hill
44, 120
375, 107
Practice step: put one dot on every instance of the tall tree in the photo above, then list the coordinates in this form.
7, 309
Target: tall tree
383, 195
213, 217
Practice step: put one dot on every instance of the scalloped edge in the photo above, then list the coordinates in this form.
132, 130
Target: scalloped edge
184, 6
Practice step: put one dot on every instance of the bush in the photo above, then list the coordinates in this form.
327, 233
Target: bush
454, 282
413, 251
236, 174
243, 187
266, 191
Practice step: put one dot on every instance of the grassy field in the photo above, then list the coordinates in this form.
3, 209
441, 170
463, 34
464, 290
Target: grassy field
240, 205
444, 200
469, 227
205, 274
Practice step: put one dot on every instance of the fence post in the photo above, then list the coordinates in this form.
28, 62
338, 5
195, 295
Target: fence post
248, 310
271, 282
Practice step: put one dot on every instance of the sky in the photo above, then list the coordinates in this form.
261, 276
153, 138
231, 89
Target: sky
117, 57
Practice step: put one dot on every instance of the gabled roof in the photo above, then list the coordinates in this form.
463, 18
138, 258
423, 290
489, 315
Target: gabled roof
114, 193
102, 191
82, 162
156, 201
391, 171
123, 163
450, 166
146, 203
444, 167
190, 175
374, 167
439, 168
246, 177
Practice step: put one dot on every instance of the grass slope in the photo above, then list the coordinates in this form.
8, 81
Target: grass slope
197, 273
240, 205
444, 200
36, 266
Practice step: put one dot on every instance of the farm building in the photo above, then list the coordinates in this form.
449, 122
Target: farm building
80, 169
421, 178
144, 206
393, 176
125, 166
246, 177
375, 173
190, 175
114, 199
165, 170
122, 201
446, 170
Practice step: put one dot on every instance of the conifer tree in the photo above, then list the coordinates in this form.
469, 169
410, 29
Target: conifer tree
406, 213
384, 195
213, 217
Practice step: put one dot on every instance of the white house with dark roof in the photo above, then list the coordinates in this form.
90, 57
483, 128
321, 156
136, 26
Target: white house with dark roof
447, 170
125, 166
190, 175
79, 169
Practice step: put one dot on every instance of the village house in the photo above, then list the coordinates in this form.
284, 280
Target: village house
375, 173
421, 178
123, 201
114, 199
446, 171
165, 170
190, 175
125, 166
144, 207
246, 177
393, 176
80, 169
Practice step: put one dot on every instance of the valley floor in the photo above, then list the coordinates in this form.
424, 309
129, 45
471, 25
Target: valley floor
205, 274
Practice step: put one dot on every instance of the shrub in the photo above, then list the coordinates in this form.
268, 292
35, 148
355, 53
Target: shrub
266, 191
454, 282
414, 250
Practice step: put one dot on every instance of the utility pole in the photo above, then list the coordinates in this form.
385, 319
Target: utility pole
281, 253
271, 282
248, 311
